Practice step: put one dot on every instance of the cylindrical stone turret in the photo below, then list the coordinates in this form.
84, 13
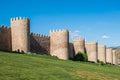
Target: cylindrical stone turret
79, 45
109, 55
59, 44
114, 57
102, 53
20, 29
91, 49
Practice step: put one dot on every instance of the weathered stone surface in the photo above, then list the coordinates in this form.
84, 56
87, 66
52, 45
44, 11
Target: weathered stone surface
79, 45
5, 38
18, 37
39, 44
91, 49
20, 29
59, 44
102, 53
109, 55
114, 57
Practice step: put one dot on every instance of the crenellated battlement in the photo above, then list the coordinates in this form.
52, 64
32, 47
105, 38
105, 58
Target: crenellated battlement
19, 19
78, 39
20, 30
101, 45
17, 37
5, 38
39, 35
55, 31
91, 43
3, 27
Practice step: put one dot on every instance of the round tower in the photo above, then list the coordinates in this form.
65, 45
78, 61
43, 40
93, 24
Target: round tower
20, 29
79, 45
91, 49
109, 55
102, 53
59, 44
114, 57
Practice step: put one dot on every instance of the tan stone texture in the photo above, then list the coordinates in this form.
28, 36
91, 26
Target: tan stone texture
39, 44
5, 38
18, 37
109, 55
20, 29
102, 53
118, 59
114, 57
59, 44
91, 49
79, 45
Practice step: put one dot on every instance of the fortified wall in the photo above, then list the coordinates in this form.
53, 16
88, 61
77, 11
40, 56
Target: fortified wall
39, 43
17, 37
5, 38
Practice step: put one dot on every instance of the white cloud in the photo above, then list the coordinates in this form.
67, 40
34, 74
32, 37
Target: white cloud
76, 31
105, 37
75, 34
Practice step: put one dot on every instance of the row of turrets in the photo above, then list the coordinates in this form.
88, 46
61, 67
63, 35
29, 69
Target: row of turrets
57, 44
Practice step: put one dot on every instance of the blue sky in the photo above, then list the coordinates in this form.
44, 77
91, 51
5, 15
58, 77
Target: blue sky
94, 20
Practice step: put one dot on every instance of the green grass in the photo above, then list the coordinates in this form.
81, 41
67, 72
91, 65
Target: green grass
41, 67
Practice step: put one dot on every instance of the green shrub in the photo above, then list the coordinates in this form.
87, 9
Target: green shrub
81, 57
100, 62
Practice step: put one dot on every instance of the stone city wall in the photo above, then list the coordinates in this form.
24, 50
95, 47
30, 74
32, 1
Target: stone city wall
5, 38
39, 44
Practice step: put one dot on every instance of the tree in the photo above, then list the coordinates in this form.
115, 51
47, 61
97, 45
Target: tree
81, 57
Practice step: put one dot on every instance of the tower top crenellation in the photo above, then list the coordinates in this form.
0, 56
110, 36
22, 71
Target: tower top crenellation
19, 19
58, 30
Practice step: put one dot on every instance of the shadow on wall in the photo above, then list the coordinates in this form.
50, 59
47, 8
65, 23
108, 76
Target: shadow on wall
38, 46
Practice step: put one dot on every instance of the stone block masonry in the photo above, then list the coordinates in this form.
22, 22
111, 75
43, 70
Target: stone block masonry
109, 56
5, 38
91, 49
39, 44
102, 53
20, 34
114, 57
79, 45
59, 44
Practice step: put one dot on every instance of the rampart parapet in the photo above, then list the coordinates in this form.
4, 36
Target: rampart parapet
39, 43
5, 38
59, 30
19, 19
39, 35
4, 27
17, 37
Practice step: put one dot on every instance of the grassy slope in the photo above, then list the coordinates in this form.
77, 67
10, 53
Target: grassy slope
42, 67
